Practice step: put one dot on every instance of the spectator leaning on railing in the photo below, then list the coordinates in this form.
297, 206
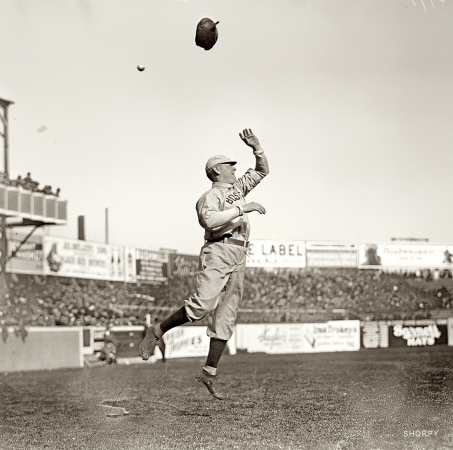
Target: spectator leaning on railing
28, 184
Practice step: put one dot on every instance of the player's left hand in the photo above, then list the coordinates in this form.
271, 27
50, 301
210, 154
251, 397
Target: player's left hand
249, 138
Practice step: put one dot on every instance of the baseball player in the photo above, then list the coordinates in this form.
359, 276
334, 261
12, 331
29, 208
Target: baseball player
223, 213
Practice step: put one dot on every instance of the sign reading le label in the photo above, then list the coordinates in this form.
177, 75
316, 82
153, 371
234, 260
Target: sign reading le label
276, 254
281, 250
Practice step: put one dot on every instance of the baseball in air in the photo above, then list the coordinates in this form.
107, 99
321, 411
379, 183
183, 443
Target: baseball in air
141, 68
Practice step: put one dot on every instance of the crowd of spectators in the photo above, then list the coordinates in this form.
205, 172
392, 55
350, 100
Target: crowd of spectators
365, 292
28, 184
269, 295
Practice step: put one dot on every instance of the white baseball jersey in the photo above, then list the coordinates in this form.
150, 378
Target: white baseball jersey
216, 208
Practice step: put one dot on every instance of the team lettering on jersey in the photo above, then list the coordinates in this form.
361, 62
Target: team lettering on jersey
233, 197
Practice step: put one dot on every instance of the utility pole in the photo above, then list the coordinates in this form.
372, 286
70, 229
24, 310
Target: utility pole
4, 104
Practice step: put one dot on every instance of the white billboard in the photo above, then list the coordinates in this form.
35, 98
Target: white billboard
404, 255
270, 253
331, 254
186, 341
332, 336
269, 338
82, 259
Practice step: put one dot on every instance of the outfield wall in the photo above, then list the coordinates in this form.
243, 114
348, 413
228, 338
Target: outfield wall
181, 342
41, 348
64, 347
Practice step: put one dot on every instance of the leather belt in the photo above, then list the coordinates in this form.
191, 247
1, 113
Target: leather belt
230, 240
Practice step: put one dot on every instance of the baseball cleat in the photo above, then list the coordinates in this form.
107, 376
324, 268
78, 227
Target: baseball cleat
208, 381
146, 348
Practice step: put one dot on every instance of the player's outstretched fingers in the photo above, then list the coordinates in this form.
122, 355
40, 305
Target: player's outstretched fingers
244, 134
260, 208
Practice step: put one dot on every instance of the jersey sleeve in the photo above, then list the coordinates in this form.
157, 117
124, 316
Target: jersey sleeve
248, 181
209, 212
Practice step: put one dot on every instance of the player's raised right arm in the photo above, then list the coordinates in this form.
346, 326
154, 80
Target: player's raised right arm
262, 165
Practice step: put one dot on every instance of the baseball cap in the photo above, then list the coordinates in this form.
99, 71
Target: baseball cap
206, 34
219, 159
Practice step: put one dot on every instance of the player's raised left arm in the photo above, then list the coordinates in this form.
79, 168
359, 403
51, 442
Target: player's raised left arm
262, 166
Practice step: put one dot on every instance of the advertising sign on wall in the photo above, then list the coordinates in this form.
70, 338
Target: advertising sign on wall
405, 333
269, 338
375, 335
83, 259
146, 266
151, 266
183, 265
401, 335
332, 336
29, 258
129, 266
265, 253
405, 255
331, 254
450, 330
186, 341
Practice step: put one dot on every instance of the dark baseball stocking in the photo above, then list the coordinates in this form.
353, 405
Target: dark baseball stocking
178, 318
216, 348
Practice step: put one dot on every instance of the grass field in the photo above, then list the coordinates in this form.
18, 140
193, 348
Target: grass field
372, 399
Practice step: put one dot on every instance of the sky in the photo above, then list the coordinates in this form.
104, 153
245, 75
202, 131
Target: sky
352, 101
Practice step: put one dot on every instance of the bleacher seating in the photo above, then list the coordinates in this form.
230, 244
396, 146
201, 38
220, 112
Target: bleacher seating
269, 295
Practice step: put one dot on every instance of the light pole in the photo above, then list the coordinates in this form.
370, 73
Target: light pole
4, 104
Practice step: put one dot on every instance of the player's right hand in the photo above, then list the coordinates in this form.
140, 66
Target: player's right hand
249, 207
250, 139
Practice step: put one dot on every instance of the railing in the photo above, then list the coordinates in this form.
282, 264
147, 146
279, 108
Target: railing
285, 315
250, 315
32, 205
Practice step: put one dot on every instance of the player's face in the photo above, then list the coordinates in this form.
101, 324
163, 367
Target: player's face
227, 173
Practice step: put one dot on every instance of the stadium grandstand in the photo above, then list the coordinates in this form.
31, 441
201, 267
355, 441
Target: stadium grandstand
271, 295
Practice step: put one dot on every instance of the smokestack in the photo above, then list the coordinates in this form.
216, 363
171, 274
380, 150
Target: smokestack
106, 225
81, 227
